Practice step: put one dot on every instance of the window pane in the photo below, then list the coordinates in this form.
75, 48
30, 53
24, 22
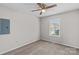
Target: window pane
54, 27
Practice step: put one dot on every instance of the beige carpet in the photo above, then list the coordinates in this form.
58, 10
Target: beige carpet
44, 48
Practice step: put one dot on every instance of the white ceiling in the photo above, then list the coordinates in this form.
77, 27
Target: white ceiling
28, 7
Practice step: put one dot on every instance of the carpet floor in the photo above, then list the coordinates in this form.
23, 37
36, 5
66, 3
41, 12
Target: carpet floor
44, 48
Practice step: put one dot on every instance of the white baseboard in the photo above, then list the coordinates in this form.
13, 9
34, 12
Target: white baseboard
17, 47
74, 46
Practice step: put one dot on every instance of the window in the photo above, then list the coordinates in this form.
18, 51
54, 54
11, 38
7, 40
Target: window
54, 27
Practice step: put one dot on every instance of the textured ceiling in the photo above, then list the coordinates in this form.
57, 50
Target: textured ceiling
28, 7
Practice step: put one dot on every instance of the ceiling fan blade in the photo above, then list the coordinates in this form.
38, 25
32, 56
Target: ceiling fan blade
44, 5
36, 10
40, 5
51, 6
41, 13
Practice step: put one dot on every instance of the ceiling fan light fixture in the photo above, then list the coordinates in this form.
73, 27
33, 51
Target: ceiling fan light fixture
43, 10
44, 7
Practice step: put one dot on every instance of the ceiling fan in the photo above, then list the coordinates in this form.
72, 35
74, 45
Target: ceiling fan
43, 7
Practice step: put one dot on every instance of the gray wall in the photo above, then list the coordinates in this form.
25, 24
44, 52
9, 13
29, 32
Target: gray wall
69, 29
24, 29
